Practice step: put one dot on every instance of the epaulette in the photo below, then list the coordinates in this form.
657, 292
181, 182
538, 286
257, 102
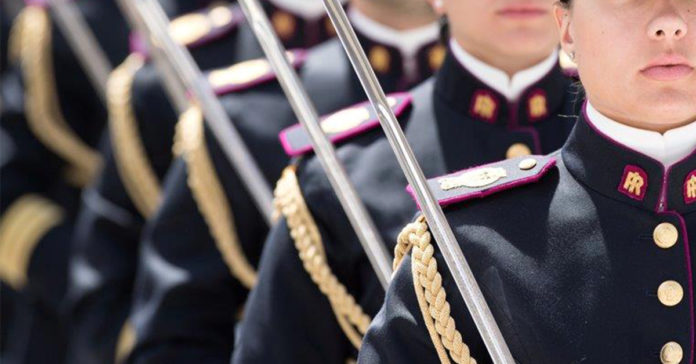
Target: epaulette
342, 125
479, 182
246, 74
197, 28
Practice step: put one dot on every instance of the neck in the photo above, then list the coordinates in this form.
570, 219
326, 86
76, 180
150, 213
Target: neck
510, 64
393, 15
661, 127
509, 86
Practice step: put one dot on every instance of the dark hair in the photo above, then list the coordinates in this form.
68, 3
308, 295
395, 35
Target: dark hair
444, 30
566, 3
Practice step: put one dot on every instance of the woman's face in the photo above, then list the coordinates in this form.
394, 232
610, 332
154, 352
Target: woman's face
500, 29
636, 58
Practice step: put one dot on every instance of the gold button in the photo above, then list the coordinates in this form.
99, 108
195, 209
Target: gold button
527, 164
436, 56
671, 353
284, 24
380, 59
665, 235
518, 150
670, 293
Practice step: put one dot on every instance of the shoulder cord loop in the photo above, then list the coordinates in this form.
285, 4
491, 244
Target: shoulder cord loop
305, 233
432, 297
210, 195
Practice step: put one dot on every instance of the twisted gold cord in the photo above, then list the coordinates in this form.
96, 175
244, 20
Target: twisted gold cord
432, 297
41, 105
305, 234
22, 226
210, 195
134, 167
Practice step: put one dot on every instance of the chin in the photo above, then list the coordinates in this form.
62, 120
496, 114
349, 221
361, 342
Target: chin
670, 112
520, 43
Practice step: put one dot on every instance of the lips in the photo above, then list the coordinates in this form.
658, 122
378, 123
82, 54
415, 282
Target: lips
668, 68
522, 11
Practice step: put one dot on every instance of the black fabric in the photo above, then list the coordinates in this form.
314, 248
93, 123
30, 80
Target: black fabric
296, 31
28, 167
286, 306
105, 246
187, 300
568, 267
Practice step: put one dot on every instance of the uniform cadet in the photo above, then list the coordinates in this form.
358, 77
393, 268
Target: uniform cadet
137, 157
587, 257
316, 292
51, 127
196, 265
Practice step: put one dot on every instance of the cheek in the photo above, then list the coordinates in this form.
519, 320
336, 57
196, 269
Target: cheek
470, 14
471, 21
601, 53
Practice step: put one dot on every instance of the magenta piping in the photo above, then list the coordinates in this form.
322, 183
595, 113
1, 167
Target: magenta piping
291, 151
486, 192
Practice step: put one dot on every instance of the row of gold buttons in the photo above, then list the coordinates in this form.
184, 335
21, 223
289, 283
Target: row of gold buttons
670, 293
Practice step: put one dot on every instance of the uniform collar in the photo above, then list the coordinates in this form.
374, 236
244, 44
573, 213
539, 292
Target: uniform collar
469, 94
406, 57
298, 23
667, 148
306, 9
511, 88
625, 174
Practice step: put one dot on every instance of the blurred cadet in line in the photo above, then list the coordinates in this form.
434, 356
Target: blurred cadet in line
51, 120
137, 153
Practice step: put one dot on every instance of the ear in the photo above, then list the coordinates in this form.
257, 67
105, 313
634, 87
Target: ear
438, 6
563, 22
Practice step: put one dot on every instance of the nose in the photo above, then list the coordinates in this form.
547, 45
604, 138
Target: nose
668, 26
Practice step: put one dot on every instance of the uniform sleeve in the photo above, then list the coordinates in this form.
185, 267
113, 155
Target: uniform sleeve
199, 254
104, 254
398, 333
42, 158
185, 302
33, 226
423, 319
288, 319
102, 267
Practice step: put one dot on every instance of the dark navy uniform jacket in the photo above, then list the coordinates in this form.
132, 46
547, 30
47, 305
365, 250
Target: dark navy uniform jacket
587, 261
128, 189
455, 121
108, 227
190, 293
50, 123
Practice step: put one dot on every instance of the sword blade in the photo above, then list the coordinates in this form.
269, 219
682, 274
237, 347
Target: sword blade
439, 227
